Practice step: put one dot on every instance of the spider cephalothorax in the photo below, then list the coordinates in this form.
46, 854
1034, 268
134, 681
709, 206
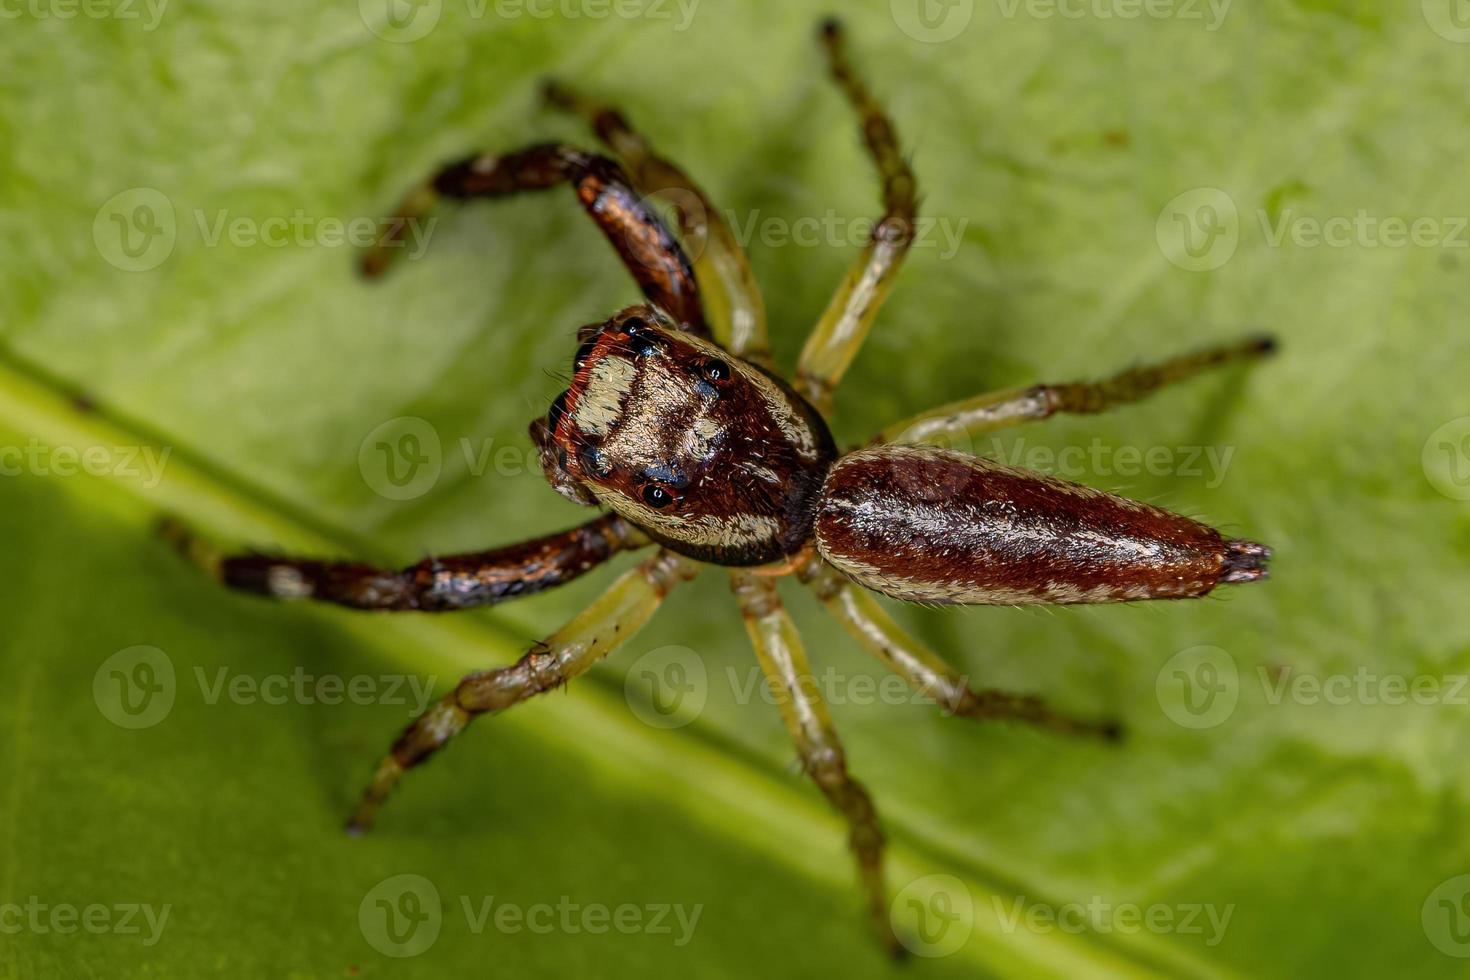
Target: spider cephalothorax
702, 451
674, 423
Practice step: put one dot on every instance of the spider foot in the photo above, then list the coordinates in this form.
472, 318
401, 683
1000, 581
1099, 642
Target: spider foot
188, 543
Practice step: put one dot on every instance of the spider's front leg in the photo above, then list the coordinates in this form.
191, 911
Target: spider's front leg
844, 326
648, 249
925, 671
782, 659
732, 301
590, 636
433, 585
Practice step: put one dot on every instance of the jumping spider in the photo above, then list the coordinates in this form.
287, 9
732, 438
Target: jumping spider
677, 426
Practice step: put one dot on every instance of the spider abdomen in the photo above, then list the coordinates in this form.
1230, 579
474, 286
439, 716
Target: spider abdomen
931, 525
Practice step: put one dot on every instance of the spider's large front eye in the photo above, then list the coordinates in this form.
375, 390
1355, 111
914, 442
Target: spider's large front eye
715, 370
657, 495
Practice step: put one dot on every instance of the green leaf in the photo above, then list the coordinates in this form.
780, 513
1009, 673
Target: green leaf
1109, 183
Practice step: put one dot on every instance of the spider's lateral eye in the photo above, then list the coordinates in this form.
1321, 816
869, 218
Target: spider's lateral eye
634, 325
657, 496
595, 462
716, 370
557, 410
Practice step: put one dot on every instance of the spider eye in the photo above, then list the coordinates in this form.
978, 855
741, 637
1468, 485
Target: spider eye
634, 325
595, 462
557, 410
716, 370
657, 496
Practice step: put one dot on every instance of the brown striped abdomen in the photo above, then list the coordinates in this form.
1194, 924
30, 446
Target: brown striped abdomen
931, 525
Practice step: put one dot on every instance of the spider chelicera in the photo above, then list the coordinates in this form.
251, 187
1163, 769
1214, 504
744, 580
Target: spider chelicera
677, 426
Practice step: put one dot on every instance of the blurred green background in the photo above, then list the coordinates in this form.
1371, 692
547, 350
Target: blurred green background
1108, 181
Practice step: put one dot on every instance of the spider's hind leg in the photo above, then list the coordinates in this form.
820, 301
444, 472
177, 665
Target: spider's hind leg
648, 249
1001, 409
782, 659
926, 672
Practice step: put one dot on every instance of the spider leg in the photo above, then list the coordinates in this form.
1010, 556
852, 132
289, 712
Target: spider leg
925, 671
434, 584
844, 326
999, 410
732, 301
782, 659
649, 250
588, 637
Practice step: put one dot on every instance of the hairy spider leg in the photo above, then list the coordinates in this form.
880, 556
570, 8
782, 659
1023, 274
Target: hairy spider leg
433, 585
998, 410
587, 638
924, 670
648, 249
783, 661
732, 300
844, 326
